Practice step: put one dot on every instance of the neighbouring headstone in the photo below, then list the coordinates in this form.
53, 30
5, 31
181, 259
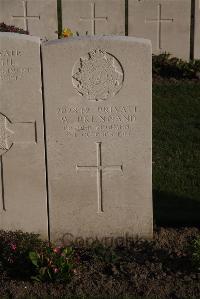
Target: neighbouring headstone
39, 17
165, 22
197, 30
94, 17
23, 200
98, 128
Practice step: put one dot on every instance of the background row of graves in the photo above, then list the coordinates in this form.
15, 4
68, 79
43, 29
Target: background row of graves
172, 25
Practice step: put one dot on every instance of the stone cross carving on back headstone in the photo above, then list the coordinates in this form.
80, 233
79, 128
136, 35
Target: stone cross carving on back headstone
159, 20
25, 16
93, 19
99, 169
10, 134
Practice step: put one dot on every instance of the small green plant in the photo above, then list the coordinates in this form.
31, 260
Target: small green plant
105, 254
195, 250
25, 256
54, 264
78, 34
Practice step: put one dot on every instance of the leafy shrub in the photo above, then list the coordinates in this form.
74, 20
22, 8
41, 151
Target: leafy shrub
14, 250
53, 264
9, 28
195, 250
25, 256
170, 67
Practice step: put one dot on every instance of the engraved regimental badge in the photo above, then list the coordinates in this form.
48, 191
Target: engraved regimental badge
5, 133
98, 75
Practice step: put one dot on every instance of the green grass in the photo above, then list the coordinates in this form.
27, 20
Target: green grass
88, 297
128, 297
125, 297
176, 153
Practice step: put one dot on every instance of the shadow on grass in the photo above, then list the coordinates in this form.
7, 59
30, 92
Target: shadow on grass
173, 210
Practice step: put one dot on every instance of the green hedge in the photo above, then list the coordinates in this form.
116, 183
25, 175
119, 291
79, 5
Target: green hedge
171, 67
10, 28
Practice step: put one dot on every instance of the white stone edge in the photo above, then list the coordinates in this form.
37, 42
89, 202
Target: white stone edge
99, 37
20, 36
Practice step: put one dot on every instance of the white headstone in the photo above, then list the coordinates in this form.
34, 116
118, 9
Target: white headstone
94, 17
165, 22
98, 121
197, 30
23, 200
38, 17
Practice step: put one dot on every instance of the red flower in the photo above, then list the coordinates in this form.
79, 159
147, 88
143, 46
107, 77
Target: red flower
13, 246
56, 250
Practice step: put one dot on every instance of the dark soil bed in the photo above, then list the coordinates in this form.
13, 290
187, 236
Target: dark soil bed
161, 268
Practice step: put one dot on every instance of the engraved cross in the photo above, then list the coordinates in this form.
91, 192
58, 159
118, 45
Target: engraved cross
99, 169
93, 19
159, 22
25, 16
11, 134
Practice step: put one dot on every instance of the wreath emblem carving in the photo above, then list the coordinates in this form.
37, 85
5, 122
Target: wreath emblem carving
97, 76
5, 134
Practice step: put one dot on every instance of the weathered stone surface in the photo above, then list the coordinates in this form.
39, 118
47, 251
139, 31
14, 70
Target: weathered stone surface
197, 30
98, 119
39, 17
165, 22
94, 17
22, 160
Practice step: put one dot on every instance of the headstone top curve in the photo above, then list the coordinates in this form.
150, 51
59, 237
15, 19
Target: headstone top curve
99, 38
20, 36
